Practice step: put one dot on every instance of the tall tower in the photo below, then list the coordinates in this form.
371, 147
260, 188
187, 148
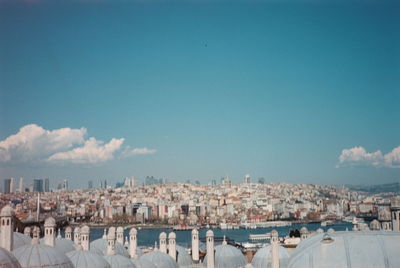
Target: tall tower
163, 242
85, 236
172, 245
46, 185
12, 185
7, 228
77, 236
120, 235
274, 249
21, 185
49, 232
195, 245
210, 249
133, 243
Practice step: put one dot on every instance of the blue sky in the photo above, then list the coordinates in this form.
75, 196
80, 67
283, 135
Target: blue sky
202, 90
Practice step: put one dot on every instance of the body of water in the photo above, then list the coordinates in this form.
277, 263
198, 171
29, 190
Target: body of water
147, 237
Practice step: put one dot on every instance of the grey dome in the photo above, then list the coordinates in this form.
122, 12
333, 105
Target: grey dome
7, 211
348, 249
62, 244
140, 263
182, 257
87, 259
37, 256
21, 240
262, 258
227, 256
118, 261
7, 260
99, 246
160, 260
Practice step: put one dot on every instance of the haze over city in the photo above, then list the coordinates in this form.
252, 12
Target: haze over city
305, 93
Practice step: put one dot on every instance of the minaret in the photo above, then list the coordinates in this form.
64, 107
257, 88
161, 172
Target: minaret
77, 234
85, 232
49, 232
133, 243
7, 228
274, 249
163, 242
303, 233
172, 245
111, 242
68, 233
120, 235
210, 249
27, 231
195, 245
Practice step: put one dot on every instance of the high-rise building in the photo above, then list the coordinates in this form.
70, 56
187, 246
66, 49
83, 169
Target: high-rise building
90, 184
105, 184
38, 185
66, 184
129, 182
261, 180
12, 185
247, 178
7, 183
46, 185
21, 185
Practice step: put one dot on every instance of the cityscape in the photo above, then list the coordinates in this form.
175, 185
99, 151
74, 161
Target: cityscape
199, 134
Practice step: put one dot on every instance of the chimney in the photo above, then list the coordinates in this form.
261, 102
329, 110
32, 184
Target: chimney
133, 243
172, 245
49, 232
274, 249
7, 228
195, 245
163, 242
210, 249
85, 237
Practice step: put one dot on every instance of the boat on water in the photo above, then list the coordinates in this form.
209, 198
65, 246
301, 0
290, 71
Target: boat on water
327, 223
183, 227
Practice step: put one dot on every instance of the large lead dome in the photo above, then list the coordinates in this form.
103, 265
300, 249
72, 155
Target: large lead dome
361, 249
159, 259
262, 259
7, 260
227, 256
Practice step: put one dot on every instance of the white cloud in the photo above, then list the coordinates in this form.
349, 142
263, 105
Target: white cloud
358, 156
32, 144
92, 152
137, 151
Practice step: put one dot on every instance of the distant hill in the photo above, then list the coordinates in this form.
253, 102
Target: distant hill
375, 189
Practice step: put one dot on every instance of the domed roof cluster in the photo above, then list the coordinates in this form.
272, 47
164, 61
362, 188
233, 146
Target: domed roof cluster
99, 246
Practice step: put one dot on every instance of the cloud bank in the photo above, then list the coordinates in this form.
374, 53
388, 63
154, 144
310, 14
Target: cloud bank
34, 144
358, 156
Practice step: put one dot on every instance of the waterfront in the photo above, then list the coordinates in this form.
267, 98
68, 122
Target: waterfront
147, 237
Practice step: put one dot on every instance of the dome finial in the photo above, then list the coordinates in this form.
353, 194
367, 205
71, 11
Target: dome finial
224, 243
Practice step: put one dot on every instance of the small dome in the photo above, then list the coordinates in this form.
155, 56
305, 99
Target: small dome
7, 260
7, 211
195, 231
68, 229
172, 235
320, 231
348, 249
262, 258
274, 233
62, 244
111, 230
142, 263
87, 259
227, 256
50, 222
77, 230
182, 257
41, 256
118, 261
133, 231
375, 225
160, 260
99, 246
163, 235
330, 230
21, 240
209, 233
85, 229
120, 229
303, 230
